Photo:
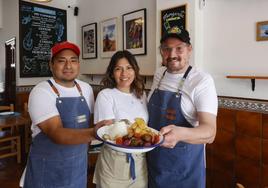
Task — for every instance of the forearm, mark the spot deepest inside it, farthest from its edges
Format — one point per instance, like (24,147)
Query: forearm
(199,135)
(69,136)
(57,133)
(204,133)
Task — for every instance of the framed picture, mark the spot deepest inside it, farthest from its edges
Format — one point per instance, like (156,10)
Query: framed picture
(173,19)
(262,31)
(134,32)
(109,43)
(89,41)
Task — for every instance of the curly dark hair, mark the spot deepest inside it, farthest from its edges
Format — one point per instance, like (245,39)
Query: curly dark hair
(137,86)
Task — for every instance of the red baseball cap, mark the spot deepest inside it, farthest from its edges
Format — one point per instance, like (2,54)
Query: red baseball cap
(64,45)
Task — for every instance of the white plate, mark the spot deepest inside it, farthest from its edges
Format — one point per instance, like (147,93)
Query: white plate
(6,113)
(126,149)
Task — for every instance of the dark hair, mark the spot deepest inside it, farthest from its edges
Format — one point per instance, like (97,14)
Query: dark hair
(137,86)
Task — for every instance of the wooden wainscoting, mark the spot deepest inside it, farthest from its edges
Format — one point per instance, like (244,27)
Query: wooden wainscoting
(239,153)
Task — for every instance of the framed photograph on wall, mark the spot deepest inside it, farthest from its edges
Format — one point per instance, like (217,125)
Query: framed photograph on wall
(108,39)
(262,31)
(173,19)
(89,41)
(134,32)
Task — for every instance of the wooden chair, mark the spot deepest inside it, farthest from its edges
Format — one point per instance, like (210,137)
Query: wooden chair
(28,132)
(10,140)
(7,108)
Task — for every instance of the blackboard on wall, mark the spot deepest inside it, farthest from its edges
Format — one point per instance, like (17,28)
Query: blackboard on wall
(173,19)
(40,27)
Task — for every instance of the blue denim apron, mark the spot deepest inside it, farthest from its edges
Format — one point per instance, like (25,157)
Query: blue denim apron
(53,165)
(182,166)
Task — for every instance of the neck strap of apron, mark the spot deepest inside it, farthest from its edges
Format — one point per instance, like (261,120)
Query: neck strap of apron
(57,92)
(184,78)
(181,81)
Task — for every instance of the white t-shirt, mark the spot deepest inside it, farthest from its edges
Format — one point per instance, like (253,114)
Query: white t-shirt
(198,92)
(42,101)
(114,104)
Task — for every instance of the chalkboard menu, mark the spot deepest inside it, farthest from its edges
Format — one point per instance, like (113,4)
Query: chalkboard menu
(173,19)
(40,28)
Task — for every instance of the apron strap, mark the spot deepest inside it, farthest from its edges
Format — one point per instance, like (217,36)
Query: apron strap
(130,160)
(158,85)
(78,87)
(184,78)
(181,81)
(54,88)
(57,92)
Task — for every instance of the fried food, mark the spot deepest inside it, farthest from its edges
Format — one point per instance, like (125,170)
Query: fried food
(139,134)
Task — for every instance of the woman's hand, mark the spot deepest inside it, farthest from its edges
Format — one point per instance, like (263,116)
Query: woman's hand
(101,124)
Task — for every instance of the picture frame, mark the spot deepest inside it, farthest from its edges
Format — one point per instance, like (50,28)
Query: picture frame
(262,31)
(173,18)
(89,41)
(134,32)
(108,37)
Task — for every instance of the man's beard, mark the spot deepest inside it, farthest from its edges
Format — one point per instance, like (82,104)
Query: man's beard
(172,59)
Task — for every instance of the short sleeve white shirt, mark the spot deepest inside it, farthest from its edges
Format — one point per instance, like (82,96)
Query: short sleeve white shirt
(198,92)
(42,101)
(114,104)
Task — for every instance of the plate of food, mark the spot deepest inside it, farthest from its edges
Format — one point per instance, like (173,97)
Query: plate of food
(126,137)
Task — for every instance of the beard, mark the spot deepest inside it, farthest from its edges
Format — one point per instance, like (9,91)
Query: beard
(170,59)
(176,65)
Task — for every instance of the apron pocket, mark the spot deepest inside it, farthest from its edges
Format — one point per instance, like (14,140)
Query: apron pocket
(58,172)
(115,164)
(168,160)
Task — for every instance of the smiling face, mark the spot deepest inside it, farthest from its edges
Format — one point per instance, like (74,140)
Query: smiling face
(124,75)
(65,67)
(176,55)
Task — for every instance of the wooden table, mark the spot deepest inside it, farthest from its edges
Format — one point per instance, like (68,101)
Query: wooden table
(20,124)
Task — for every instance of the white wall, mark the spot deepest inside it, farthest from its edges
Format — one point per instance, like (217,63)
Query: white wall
(230,47)
(222,33)
(1,13)
(10,29)
(97,11)
(223,36)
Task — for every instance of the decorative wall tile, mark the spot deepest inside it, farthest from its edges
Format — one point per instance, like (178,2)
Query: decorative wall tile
(243,104)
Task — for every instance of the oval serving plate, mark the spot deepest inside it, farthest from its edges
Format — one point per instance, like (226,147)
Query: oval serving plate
(126,149)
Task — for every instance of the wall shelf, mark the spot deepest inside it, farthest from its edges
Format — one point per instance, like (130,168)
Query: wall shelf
(252,78)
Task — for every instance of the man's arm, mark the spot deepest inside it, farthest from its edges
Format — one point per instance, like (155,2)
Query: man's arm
(53,128)
(202,134)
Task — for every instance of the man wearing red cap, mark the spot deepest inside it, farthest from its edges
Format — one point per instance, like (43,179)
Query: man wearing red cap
(60,111)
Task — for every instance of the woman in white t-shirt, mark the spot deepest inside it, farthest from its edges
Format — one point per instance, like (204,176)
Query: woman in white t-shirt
(122,98)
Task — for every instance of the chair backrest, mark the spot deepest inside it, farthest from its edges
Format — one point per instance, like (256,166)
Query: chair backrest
(7,108)
(25,112)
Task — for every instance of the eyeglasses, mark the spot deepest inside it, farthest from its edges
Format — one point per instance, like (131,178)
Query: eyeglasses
(63,60)
(178,49)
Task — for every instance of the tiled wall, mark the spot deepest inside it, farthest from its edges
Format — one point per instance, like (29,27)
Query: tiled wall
(251,105)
